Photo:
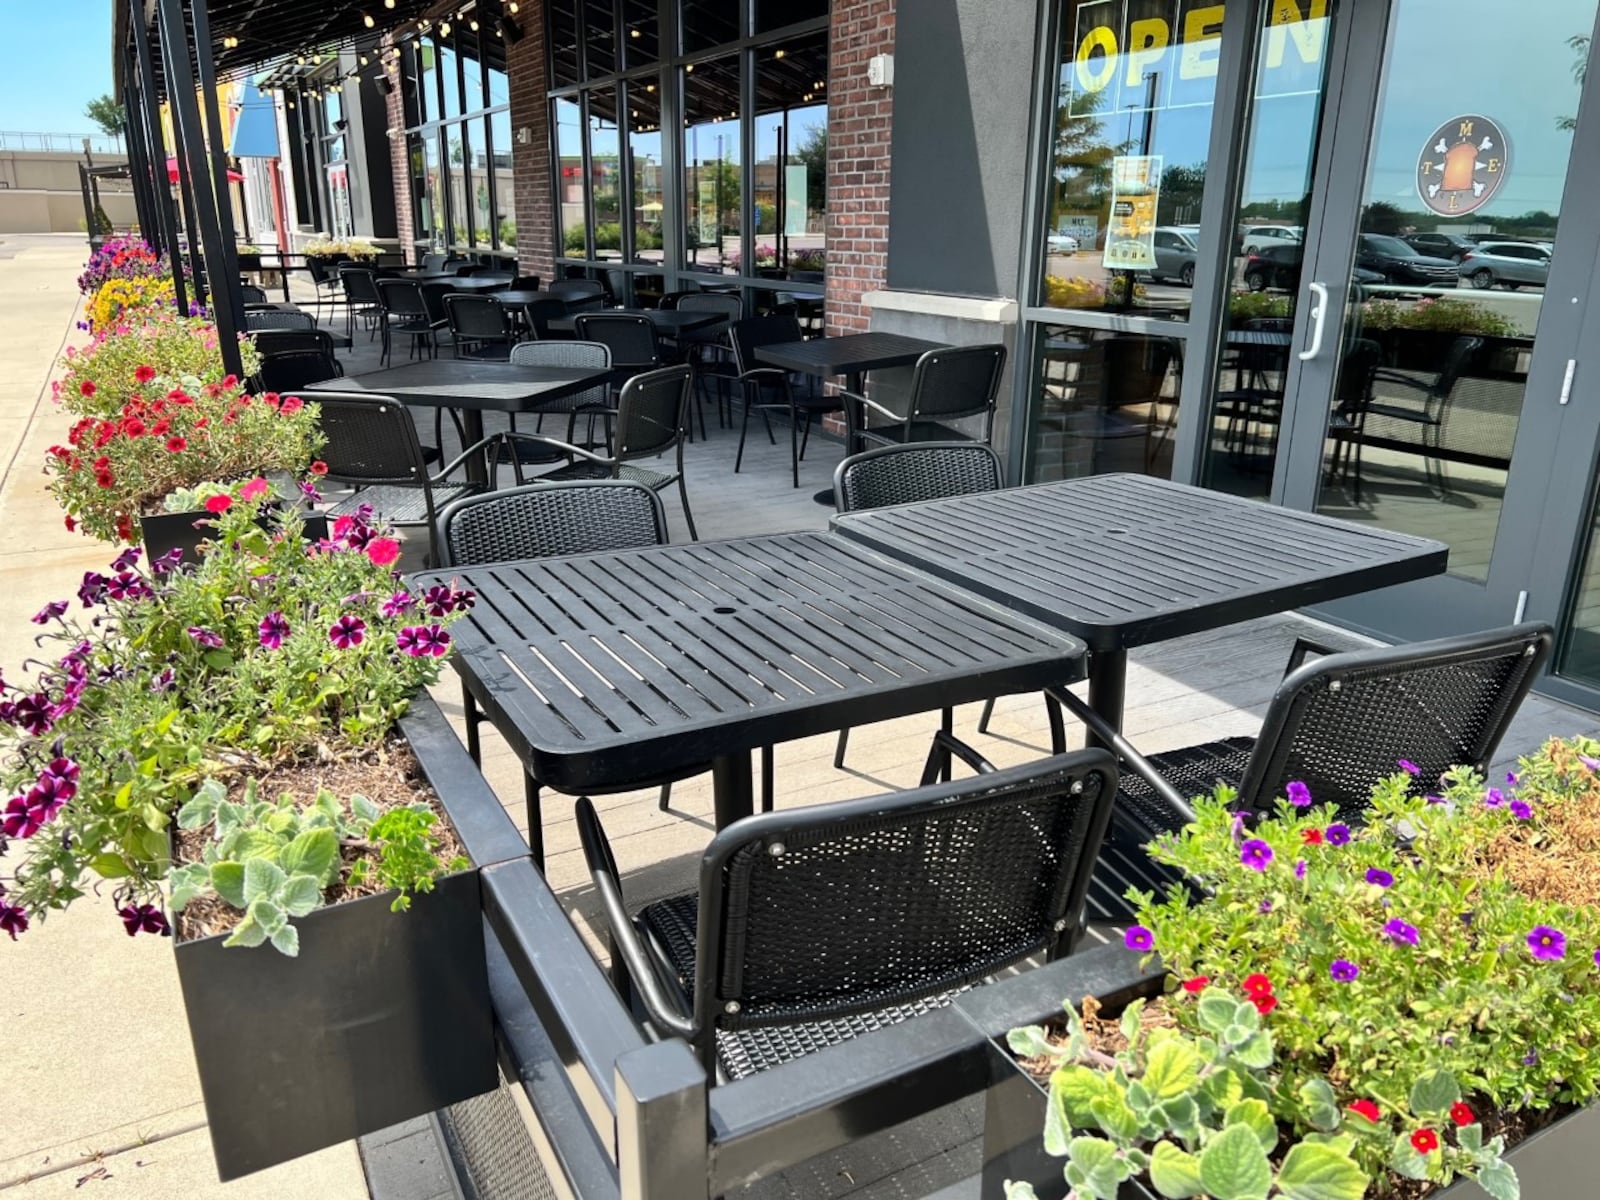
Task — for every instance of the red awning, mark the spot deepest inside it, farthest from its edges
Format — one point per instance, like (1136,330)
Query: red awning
(172,173)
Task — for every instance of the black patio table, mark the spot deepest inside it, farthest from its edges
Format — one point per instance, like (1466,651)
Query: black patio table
(1125,560)
(472,388)
(669,322)
(607,671)
(467,283)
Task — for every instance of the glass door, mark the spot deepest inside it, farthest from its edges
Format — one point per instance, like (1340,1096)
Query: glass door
(1433,305)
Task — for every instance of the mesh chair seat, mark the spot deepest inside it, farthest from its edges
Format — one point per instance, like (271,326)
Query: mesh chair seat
(654,480)
(671,925)
(399,504)
(914,431)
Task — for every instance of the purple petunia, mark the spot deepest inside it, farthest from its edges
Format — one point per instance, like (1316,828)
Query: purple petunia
(49,612)
(1409,767)
(1300,868)
(1139,938)
(1264,907)
(347,631)
(1378,877)
(1531,1058)
(13,919)
(127,560)
(93,588)
(32,714)
(20,819)
(143,918)
(1400,933)
(1521,810)
(274,628)
(1255,854)
(1592,763)
(422,641)
(1493,798)
(398,603)
(47,797)
(168,562)
(164,681)
(126,585)
(205,638)
(1547,943)
(1338,835)
(1343,970)
(1511,778)
(1299,794)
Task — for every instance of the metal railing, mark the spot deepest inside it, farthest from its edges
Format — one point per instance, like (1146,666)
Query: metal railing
(98,143)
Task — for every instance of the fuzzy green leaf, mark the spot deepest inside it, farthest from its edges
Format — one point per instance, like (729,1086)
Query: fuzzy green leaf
(1075,1088)
(1112,1114)
(1057,1124)
(1130,1022)
(1215,1010)
(286,941)
(268,915)
(1171,1068)
(228,880)
(1404,1159)
(262,878)
(365,810)
(315,853)
(1312,1172)
(1182,1116)
(1222,1089)
(300,894)
(1342,1143)
(1321,1107)
(1029,1042)
(1500,1181)
(201,809)
(1175,1174)
(247,843)
(1470,1138)
(247,933)
(1256,1052)
(1233,1166)
(1253,1115)
(1434,1092)
(188,882)
(1100,1172)
(1020,1190)
(109,866)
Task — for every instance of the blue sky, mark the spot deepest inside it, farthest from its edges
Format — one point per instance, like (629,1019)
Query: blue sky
(65,64)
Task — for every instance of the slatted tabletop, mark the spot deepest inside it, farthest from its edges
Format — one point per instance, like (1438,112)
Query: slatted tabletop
(1122,560)
(605,670)
(668,322)
(848,354)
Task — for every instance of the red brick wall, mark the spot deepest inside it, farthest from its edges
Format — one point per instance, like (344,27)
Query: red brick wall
(530,160)
(399,167)
(858,160)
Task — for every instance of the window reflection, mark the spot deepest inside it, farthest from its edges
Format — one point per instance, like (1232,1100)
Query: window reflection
(713,181)
(605,173)
(569,151)
(503,185)
(791,152)
(644,159)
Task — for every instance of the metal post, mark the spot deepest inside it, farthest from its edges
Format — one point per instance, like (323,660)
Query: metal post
(175,53)
(158,155)
(88,208)
(137,168)
(180,94)
(661,1124)
(224,276)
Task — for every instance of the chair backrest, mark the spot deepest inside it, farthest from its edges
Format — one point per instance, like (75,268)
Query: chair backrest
(370,440)
(478,318)
(915,472)
(546,519)
(730,306)
(295,368)
(402,297)
(615,282)
(458,266)
(1353,392)
(542,312)
(577,289)
(277,318)
(1341,723)
(360,284)
(812,913)
(956,381)
(432,264)
(284,341)
(651,413)
(588,355)
(251,294)
(750,334)
(1460,356)
(632,338)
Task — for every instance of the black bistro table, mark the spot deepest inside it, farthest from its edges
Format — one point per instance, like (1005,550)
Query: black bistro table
(472,388)
(608,671)
(668,322)
(467,283)
(1125,560)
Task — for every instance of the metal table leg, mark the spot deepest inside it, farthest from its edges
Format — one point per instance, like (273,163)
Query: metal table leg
(1108,679)
(731,785)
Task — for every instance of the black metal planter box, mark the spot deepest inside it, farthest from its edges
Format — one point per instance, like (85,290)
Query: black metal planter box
(382,1017)
(1556,1162)
(178,531)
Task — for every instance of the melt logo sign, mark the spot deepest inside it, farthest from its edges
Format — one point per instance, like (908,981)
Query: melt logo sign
(1461,165)
(1143,54)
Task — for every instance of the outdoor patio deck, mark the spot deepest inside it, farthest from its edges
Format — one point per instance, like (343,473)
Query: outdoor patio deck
(1179,692)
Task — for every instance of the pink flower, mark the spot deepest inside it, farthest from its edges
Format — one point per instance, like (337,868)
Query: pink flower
(255,489)
(21,819)
(383,551)
(422,641)
(273,629)
(219,504)
(348,631)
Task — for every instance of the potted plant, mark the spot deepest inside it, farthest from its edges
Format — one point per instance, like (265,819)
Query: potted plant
(1429,986)
(188,515)
(1418,336)
(288,664)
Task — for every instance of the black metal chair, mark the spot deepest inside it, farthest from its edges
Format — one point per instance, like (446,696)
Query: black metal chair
(433,264)
(950,384)
(284,341)
(595,401)
(1428,414)
(758,383)
(540,313)
(361,292)
(707,348)
(278,318)
(291,369)
(372,447)
(814,925)
(578,290)
(650,419)
(525,283)
(480,326)
(1256,397)
(252,294)
(406,312)
(630,338)
(1338,725)
(1352,397)
(324,272)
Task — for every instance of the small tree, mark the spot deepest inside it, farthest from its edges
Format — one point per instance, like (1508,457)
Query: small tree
(109,115)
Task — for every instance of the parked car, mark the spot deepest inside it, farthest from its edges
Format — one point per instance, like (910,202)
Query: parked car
(1402,264)
(1515,264)
(1175,254)
(1258,237)
(1279,267)
(1061,243)
(1440,245)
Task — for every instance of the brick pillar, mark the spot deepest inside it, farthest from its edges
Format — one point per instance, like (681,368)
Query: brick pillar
(858,160)
(530,159)
(399,164)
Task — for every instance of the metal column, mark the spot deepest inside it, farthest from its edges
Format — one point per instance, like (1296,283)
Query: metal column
(139,166)
(158,154)
(224,274)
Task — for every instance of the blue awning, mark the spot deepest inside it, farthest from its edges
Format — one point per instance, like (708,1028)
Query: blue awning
(255,129)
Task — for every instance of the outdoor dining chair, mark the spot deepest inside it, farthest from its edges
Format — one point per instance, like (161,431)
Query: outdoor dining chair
(952,383)
(284,341)
(1352,398)
(766,389)
(540,313)
(372,447)
(252,294)
(361,293)
(277,318)
(707,349)
(291,369)
(1338,725)
(595,401)
(1427,405)
(480,327)
(814,925)
(406,312)
(651,414)
(325,279)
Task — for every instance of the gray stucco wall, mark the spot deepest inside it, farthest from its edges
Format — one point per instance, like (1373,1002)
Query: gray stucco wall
(963,93)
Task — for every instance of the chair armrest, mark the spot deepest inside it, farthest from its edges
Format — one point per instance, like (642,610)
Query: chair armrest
(945,745)
(1125,751)
(1302,648)
(1384,375)
(763,372)
(624,938)
(872,404)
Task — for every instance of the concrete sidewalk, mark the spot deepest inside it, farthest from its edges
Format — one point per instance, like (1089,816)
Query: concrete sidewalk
(96,1064)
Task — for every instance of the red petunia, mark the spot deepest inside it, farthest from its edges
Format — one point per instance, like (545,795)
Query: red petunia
(125,527)
(1258,985)
(292,405)
(144,373)
(1197,984)
(177,444)
(1461,1114)
(1264,1004)
(87,387)
(1367,1109)
(383,551)
(1311,837)
(133,427)
(1425,1141)
(104,478)
(71,524)
(319,467)
(219,504)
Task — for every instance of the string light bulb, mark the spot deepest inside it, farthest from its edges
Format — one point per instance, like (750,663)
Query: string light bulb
(388,3)
(364,60)
(633,33)
(444,29)
(474,24)
(367,20)
(779,53)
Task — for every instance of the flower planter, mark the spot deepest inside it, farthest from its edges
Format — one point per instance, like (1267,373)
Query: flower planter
(382,1017)
(178,531)
(1553,1162)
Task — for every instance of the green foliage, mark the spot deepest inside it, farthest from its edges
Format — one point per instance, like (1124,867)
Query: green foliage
(1194,1110)
(1441,314)
(1247,306)
(108,114)
(408,854)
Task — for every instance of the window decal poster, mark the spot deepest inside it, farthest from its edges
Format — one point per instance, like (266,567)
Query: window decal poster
(1135,188)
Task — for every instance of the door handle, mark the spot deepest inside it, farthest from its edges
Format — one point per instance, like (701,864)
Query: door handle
(1319,312)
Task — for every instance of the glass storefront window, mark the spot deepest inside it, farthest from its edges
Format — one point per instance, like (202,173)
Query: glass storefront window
(563,42)
(471,73)
(605,172)
(570,198)
(599,38)
(644,164)
(433,220)
(775,14)
(1134,93)
(791,150)
(713,180)
(641,40)
(502,184)
(420,82)
(707,23)
(449,76)
(457,149)
(499,82)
